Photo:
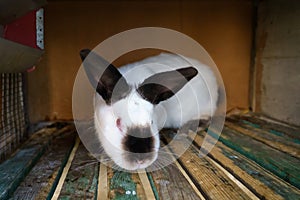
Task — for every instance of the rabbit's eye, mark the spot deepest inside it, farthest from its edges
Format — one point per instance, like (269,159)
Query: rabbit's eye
(118,123)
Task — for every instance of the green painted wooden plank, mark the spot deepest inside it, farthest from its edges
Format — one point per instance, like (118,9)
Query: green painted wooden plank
(279,163)
(276,128)
(128,186)
(122,186)
(171,184)
(40,180)
(81,180)
(279,187)
(210,180)
(284,133)
(262,181)
(13,170)
(154,189)
(280,143)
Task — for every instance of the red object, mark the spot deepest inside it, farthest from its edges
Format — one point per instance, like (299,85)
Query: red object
(23,30)
(31,69)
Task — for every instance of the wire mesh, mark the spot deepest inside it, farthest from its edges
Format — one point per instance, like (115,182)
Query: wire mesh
(13,123)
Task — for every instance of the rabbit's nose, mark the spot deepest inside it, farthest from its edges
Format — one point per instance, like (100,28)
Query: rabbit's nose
(140,162)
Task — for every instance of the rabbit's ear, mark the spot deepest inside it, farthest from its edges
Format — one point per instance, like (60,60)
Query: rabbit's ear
(164,85)
(104,77)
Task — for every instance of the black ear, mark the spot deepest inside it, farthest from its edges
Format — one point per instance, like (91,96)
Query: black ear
(104,77)
(162,86)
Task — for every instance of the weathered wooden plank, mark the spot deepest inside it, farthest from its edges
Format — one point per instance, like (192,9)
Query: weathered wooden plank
(133,179)
(250,123)
(171,184)
(172,181)
(271,120)
(250,194)
(143,190)
(154,189)
(57,188)
(122,186)
(82,177)
(279,163)
(128,186)
(279,143)
(17,57)
(41,178)
(274,127)
(13,170)
(102,192)
(256,178)
(212,181)
(143,178)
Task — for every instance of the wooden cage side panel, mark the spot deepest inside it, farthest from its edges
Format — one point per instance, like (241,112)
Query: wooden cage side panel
(223,28)
(278,60)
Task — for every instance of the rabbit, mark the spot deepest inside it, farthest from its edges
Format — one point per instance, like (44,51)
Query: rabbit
(134,102)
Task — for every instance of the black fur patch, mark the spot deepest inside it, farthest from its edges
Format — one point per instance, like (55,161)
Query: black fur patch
(162,86)
(112,86)
(139,144)
(139,140)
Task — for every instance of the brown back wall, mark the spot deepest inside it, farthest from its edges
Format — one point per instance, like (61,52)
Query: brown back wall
(222,27)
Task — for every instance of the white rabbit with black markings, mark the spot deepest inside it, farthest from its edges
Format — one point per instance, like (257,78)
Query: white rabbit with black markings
(135,101)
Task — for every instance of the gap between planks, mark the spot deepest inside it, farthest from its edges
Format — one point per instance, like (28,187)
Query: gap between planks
(268,139)
(103,184)
(186,176)
(65,170)
(227,173)
(103,187)
(235,180)
(146,185)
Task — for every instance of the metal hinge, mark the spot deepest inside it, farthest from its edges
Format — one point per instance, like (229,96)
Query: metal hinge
(40,28)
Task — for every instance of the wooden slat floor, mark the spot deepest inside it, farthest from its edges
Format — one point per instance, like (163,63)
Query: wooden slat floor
(254,158)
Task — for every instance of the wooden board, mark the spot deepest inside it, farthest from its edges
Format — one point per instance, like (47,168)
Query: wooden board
(102,192)
(287,133)
(114,184)
(39,182)
(273,126)
(144,182)
(171,184)
(206,176)
(14,170)
(78,24)
(228,172)
(279,163)
(142,185)
(124,185)
(280,143)
(256,178)
(82,177)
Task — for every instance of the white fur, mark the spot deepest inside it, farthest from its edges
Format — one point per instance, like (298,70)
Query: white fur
(133,111)
(196,100)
